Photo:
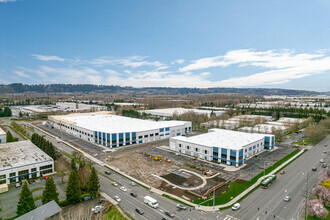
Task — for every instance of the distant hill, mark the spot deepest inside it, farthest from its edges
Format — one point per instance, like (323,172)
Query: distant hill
(87,88)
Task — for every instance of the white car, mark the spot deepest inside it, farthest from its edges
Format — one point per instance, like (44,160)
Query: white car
(123,189)
(117,198)
(115,184)
(287,198)
(132,183)
(236,206)
(321,161)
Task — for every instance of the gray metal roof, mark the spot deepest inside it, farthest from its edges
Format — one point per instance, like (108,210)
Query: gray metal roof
(45,211)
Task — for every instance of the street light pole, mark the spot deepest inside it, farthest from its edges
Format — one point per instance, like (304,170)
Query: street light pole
(213,197)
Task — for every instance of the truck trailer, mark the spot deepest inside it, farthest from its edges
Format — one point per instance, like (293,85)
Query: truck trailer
(269,180)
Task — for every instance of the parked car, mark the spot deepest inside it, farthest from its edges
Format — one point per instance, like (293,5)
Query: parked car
(236,206)
(133,194)
(314,169)
(17,185)
(107,172)
(139,210)
(101,200)
(117,198)
(324,165)
(325,145)
(115,184)
(170,214)
(132,183)
(321,161)
(287,198)
(123,189)
(164,218)
(181,206)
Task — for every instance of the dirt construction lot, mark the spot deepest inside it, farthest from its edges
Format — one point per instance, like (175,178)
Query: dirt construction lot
(141,166)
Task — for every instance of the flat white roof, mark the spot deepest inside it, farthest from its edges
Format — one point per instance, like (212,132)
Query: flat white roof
(20,153)
(2,131)
(105,122)
(179,111)
(222,138)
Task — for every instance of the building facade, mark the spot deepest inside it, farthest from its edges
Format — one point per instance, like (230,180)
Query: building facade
(23,160)
(3,136)
(223,146)
(117,131)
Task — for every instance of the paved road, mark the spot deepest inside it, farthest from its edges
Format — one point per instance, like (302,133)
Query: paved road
(292,183)
(130,203)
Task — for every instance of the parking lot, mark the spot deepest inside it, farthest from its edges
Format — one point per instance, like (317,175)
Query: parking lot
(9,199)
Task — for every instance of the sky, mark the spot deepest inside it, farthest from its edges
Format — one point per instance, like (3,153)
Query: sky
(167,43)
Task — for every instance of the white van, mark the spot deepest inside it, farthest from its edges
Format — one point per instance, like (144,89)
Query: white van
(151,202)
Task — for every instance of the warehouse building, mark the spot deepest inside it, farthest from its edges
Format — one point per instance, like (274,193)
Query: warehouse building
(3,136)
(23,160)
(223,146)
(117,131)
(169,112)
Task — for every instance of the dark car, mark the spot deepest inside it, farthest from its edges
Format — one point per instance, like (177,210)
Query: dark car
(139,210)
(107,172)
(168,213)
(164,218)
(181,206)
(324,165)
(133,194)
(314,169)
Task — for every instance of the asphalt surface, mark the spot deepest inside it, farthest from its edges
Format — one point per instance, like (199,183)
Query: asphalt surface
(129,203)
(267,203)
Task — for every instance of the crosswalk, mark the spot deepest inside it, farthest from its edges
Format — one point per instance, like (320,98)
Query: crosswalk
(227,217)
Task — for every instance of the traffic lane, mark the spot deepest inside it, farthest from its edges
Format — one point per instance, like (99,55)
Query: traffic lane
(292,173)
(130,203)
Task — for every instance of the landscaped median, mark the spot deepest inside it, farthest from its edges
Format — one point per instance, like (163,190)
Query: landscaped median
(236,188)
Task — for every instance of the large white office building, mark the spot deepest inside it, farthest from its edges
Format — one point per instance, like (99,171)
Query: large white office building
(223,146)
(117,131)
(23,160)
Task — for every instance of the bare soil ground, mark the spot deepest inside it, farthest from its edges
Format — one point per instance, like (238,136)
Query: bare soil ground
(215,181)
(141,166)
(192,181)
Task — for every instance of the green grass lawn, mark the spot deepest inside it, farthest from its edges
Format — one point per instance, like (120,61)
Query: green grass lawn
(237,188)
(113,214)
(307,141)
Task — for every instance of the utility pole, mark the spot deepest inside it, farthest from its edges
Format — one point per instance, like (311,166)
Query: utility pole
(213,197)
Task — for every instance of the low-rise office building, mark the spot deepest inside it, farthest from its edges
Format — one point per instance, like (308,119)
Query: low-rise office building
(117,131)
(23,160)
(223,146)
(3,136)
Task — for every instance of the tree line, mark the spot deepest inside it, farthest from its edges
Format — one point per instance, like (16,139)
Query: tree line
(74,190)
(6,112)
(44,145)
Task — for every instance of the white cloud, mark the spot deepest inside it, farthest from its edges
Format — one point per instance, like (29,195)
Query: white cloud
(179,61)
(21,74)
(5,1)
(47,58)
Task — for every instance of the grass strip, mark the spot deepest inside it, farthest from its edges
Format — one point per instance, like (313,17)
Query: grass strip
(36,189)
(37,198)
(177,200)
(237,188)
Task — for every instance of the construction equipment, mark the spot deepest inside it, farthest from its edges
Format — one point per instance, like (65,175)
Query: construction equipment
(159,157)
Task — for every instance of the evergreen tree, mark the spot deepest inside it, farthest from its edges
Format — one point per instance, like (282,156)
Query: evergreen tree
(50,192)
(93,183)
(9,137)
(26,202)
(73,192)
(73,165)
(20,114)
